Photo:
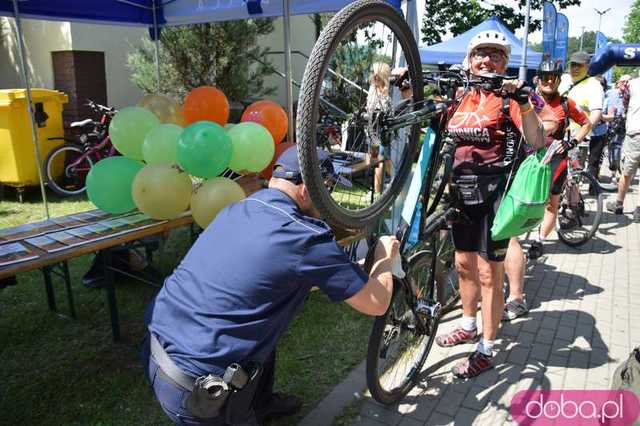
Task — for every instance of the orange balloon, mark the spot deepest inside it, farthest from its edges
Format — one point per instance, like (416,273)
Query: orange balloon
(270,115)
(280,148)
(206,103)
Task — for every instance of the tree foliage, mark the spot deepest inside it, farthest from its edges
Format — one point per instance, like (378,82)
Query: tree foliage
(223,54)
(457,16)
(632,24)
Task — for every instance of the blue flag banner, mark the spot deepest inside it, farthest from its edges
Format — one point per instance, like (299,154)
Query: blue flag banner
(601,46)
(548,29)
(562,39)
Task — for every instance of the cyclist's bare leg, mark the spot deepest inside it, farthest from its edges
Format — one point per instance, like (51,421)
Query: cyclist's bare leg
(491,278)
(623,187)
(514,265)
(550,216)
(469,281)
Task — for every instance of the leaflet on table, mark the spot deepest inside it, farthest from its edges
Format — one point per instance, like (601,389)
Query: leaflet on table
(91,216)
(56,241)
(124,224)
(15,252)
(27,230)
(46,243)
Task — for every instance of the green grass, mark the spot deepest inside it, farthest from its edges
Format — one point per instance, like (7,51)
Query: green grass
(59,371)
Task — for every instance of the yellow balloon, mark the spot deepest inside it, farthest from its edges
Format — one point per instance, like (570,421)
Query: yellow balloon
(165,108)
(161,191)
(211,197)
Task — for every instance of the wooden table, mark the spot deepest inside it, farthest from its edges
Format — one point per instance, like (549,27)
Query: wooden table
(48,261)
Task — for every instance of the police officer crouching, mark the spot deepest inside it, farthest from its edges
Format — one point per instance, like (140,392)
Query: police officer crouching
(214,325)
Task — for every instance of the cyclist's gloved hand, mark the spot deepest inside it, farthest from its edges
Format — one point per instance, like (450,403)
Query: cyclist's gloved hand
(400,78)
(567,145)
(515,90)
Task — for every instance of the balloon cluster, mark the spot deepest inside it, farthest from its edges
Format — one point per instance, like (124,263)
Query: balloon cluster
(164,145)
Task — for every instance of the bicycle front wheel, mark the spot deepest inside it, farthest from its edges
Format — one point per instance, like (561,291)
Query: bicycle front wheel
(579,219)
(347,79)
(66,169)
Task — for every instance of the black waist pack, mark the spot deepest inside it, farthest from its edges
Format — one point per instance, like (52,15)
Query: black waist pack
(475,190)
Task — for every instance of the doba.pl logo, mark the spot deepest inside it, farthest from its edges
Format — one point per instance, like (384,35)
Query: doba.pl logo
(602,407)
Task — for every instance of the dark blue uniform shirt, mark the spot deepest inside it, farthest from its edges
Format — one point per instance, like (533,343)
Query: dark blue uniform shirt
(242,282)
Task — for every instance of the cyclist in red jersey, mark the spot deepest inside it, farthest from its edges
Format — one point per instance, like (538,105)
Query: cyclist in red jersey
(483,125)
(549,80)
(565,110)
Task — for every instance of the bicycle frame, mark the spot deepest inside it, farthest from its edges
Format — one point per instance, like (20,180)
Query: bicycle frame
(95,153)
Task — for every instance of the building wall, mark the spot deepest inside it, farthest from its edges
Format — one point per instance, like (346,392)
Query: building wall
(40,37)
(115,42)
(302,38)
(43,37)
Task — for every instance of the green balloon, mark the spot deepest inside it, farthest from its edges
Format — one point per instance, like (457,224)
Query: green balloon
(253,147)
(161,144)
(109,184)
(204,149)
(129,128)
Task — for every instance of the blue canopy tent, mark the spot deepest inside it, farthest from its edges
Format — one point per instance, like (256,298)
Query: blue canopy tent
(154,14)
(454,50)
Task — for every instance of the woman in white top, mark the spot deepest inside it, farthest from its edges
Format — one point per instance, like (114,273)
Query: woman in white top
(378,99)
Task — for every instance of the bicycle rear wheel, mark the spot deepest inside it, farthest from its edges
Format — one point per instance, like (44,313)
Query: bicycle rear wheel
(579,221)
(66,171)
(338,82)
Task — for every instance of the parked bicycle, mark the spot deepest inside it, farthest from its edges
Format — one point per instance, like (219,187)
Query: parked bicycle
(581,200)
(66,167)
(372,30)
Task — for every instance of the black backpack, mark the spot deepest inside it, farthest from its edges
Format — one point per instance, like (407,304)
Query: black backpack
(627,375)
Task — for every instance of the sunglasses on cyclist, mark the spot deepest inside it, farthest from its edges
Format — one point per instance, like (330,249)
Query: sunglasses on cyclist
(548,76)
(493,55)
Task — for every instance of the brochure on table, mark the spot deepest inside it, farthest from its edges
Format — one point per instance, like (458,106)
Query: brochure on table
(66,232)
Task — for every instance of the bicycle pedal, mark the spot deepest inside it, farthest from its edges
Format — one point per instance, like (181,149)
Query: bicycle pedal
(427,310)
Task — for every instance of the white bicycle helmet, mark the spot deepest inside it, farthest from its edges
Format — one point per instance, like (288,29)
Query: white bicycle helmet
(490,38)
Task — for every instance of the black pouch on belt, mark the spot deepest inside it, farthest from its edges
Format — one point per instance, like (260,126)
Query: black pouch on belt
(475,190)
(239,404)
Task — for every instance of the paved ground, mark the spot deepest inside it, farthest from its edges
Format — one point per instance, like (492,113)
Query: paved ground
(578,331)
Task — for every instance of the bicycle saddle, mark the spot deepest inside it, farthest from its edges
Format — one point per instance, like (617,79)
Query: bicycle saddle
(81,123)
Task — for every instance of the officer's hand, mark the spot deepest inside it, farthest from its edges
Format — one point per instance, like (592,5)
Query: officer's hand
(387,247)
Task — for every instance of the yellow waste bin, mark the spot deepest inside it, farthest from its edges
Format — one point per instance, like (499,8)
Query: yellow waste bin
(17,155)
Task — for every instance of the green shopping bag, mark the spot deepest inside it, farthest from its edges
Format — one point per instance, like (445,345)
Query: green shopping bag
(522,208)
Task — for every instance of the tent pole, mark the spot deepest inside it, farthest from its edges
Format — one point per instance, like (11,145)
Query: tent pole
(27,84)
(157,46)
(522,75)
(287,68)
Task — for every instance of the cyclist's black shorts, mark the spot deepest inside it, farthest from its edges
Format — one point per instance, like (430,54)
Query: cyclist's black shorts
(558,173)
(476,235)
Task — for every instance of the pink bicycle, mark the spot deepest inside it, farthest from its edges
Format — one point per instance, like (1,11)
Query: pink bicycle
(66,166)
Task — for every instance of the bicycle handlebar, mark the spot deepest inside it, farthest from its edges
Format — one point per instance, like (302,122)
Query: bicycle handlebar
(100,108)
